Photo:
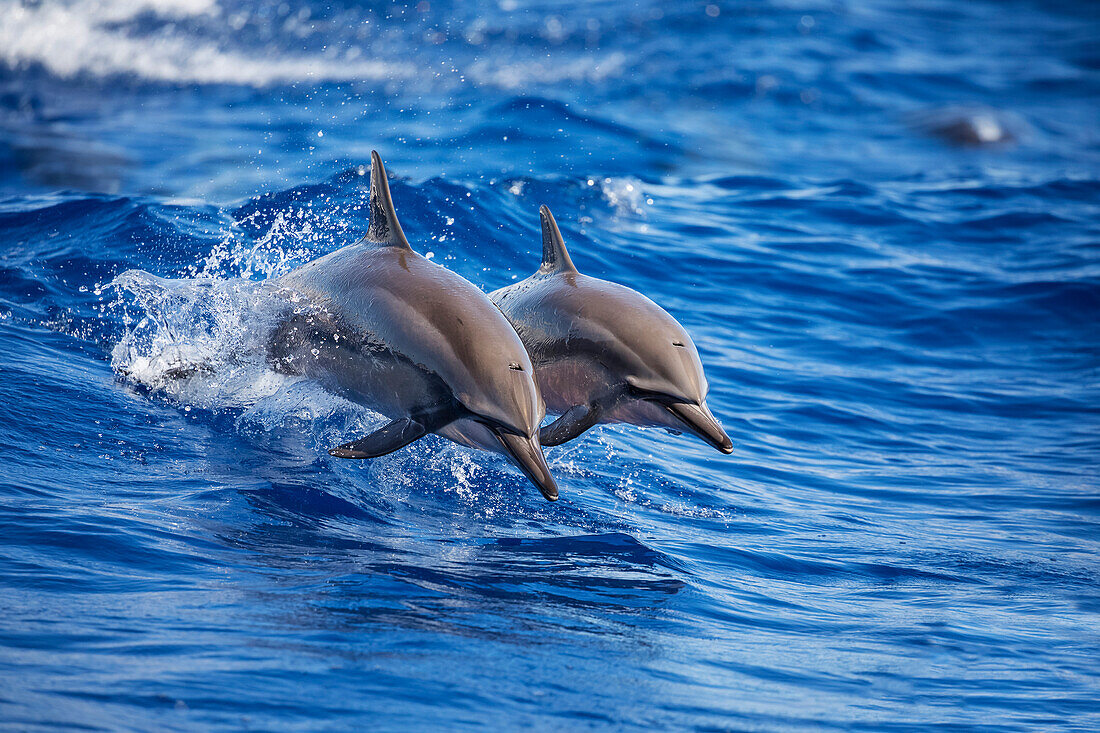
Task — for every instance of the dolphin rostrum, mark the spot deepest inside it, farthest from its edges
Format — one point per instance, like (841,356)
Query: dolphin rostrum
(604,352)
(389,329)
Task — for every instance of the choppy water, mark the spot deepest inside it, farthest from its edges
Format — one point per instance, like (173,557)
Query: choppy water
(900,333)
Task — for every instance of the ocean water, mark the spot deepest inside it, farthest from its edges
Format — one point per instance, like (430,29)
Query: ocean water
(879,220)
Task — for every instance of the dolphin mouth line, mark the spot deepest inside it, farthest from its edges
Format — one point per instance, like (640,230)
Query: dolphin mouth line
(698,420)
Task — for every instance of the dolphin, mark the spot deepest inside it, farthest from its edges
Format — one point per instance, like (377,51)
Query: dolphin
(605,353)
(391,330)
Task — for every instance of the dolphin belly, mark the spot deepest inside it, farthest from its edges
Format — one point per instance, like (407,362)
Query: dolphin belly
(642,413)
(573,380)
(471,434)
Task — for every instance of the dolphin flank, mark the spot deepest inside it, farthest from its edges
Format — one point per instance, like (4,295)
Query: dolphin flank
(389,329)
(605,353)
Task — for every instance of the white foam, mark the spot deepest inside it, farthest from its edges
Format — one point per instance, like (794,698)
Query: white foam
(104,38)
(90,37)
(199,341)
(509,75)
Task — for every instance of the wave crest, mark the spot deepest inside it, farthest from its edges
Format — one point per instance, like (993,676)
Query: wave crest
(95,38)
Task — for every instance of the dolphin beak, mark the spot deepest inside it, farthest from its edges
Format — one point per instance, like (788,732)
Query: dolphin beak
(697,419)
(527,454)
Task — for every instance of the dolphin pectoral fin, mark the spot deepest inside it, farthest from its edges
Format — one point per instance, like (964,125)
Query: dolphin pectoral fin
(575,421)
(698,420)
(386,439)
(526,453)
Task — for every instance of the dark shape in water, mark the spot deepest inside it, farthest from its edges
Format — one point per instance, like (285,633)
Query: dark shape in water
(965,126)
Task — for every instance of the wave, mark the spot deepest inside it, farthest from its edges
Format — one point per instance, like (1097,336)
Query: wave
(207,42)
(96,38)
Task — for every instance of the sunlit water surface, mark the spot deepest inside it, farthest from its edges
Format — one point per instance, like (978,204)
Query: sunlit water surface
(880,222)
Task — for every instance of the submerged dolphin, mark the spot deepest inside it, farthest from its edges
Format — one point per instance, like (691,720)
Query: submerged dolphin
(392,330)
(604,352)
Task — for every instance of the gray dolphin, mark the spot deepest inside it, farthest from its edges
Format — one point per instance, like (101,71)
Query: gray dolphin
(389,329)
(604,352)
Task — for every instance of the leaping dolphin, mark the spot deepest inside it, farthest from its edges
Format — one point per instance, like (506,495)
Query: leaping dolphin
(389,329)
(604,352)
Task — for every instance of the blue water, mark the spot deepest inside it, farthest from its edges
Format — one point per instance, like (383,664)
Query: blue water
(899,328)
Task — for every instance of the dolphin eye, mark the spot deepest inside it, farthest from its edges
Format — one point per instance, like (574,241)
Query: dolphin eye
(678,343)
(515,367)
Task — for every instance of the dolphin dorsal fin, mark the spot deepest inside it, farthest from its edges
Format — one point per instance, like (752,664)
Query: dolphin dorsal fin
(384,228)
(555,257)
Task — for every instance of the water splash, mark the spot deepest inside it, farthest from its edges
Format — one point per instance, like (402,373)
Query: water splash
(201,341)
